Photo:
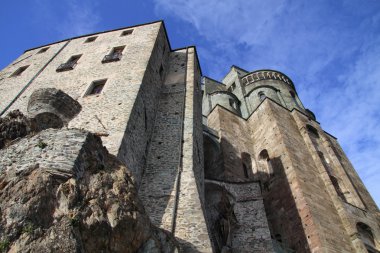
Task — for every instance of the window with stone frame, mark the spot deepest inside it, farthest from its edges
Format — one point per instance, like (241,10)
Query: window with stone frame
(70,64)
(43,50)
(19,71)
(126,32)
(115,54)
(90,39)
(96,87)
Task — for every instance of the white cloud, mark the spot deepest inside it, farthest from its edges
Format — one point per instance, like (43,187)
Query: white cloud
(68,18)
(329,48)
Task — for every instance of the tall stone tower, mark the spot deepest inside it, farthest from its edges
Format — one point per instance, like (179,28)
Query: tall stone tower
(259,131)
(233,166)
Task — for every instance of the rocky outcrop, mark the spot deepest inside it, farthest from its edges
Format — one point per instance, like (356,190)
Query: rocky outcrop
(13,126)
(61,191)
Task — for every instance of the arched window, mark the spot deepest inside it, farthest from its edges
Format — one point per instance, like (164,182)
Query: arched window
(246,163)
(265,161)
(294,98)
(366,236)
(261,95)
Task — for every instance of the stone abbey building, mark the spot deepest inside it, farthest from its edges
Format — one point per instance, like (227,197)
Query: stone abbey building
(237,165)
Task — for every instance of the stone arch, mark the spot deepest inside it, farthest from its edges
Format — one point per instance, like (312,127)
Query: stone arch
(52,108)
(213,168)
(366,235)
(265,162)
(220,215)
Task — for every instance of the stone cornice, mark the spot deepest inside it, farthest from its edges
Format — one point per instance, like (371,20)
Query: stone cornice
(266,74)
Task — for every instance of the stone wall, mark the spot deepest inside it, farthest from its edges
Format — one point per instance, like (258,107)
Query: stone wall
(107,113)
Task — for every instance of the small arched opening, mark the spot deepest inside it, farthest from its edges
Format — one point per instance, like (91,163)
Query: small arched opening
(265,162)
(366,235)
(213,168)
(261,95)
(246,164)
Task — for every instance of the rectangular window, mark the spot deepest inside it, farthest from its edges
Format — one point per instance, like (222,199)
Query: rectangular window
(114,55)
(70,64)
(127,32)
(96,87)
(19,71)
(43,50)
(90,39)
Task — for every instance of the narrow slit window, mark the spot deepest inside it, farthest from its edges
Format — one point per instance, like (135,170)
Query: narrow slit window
(19,71)
(90,39)
(161,71)
(232,103)
(43,50)
(96,87)
(127,32)
(261,95)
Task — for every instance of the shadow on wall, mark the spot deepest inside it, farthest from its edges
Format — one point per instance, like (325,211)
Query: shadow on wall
(223,162)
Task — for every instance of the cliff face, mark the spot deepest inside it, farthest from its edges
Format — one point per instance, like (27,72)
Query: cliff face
(61,191)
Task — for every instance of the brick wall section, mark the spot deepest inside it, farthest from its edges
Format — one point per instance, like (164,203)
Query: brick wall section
(134,144)
(158,189)
(190,223)
(349,169)
(350,210)
(306,184)
(11,86)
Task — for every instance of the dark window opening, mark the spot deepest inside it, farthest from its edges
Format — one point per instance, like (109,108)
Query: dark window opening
(127,32)
(70,64)
(145,119)
(161,71)
(246,162)
(90,39)
(96,87)
(245,170)
(233,86)
(232,103)
(367,237)
(43,50)
(19,71)
(115,55)
(262,95)
(312,130)
(338,190)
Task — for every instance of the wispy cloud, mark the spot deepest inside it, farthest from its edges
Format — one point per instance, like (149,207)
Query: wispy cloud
(68,18)
(329,48)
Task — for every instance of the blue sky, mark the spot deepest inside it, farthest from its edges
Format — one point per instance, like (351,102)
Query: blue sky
(329,48)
